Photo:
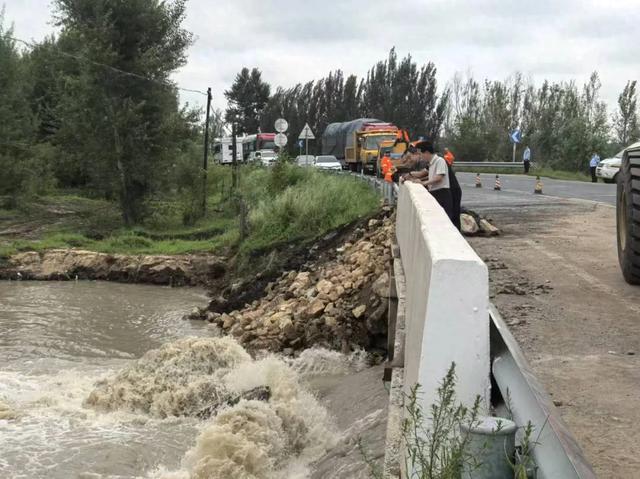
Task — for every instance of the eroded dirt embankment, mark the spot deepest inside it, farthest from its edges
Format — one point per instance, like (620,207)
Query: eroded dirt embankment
(69,264)
(337,301)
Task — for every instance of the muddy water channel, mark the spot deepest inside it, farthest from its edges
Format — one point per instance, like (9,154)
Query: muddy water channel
(106,381)
(56,340)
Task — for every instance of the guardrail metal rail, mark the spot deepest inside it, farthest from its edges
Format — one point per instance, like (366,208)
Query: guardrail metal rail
(388,191)
(512,165)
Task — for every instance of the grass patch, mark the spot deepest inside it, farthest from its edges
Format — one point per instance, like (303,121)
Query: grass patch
(314,204)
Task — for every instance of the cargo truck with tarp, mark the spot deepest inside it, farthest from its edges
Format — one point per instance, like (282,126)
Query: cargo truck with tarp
(357,143)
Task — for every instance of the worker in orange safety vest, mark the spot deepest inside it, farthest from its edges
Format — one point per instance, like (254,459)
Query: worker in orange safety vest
(387,167)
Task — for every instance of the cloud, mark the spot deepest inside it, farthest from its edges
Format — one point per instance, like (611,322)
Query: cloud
(293,41)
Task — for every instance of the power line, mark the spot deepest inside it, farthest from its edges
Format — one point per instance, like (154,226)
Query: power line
(112,68)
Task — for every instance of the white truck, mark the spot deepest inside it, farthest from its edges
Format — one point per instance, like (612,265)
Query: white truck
(223,150)
(628,214)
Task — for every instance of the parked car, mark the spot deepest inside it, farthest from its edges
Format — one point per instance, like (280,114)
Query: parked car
(305,160)
(266,157)
(328,162)
(609,168)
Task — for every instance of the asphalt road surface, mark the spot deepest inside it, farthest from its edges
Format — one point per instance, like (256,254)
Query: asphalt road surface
(518,190)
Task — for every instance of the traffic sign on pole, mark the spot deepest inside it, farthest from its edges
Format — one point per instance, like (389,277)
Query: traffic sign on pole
(280,140)
(306,133)
(516,137)
(281,125)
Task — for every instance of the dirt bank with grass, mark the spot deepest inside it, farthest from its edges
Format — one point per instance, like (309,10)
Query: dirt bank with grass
(64,264)
(283,212)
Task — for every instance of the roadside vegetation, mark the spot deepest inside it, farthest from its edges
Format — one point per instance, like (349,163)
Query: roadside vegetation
(437,442)
(281,204)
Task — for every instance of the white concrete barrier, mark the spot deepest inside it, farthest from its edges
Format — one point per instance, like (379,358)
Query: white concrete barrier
(447,297)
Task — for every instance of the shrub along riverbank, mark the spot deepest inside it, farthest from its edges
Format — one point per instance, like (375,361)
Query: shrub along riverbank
(272,206)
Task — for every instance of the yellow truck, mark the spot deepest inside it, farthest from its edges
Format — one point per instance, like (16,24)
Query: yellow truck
(356,144)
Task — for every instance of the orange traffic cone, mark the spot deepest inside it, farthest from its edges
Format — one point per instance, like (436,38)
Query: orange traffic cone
(538,188)
(478,181)
(498,186)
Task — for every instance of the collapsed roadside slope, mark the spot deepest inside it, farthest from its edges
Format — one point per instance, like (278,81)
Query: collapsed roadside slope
(336,301)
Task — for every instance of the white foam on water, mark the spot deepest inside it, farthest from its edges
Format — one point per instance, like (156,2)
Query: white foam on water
(180,378)
(48,433)
(274,439)
(151,407)
(320,362)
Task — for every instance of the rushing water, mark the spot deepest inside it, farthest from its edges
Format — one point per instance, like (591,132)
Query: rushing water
(103,380)
(56,341)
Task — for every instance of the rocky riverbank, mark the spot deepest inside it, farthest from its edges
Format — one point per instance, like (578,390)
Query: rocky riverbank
(70,264)
(337,303)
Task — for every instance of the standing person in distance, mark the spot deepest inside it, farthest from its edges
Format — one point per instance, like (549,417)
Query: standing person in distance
(593,164)
(526,158)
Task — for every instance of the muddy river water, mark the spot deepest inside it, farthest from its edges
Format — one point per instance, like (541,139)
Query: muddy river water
(56,340)
(106,381)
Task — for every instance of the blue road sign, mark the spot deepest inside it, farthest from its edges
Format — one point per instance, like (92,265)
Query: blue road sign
(300,144)
(516,136)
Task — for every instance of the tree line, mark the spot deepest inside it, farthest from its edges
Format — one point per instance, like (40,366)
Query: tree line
(94,109)
(394,90)
(563,123)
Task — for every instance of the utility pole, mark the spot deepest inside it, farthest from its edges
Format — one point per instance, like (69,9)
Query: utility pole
(206,154)
(234,156)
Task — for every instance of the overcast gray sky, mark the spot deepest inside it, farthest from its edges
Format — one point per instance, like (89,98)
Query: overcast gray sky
(296,41)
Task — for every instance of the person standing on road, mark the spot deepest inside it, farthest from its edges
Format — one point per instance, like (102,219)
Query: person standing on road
(436,180)
(593,164)
(526,158)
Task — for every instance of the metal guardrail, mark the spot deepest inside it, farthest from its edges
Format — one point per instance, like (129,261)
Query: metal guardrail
(490,164)
(389,191)
(556,452)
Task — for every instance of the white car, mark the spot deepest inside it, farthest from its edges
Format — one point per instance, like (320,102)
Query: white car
(266,157)
(328,162)
(305,160)
(608,169)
